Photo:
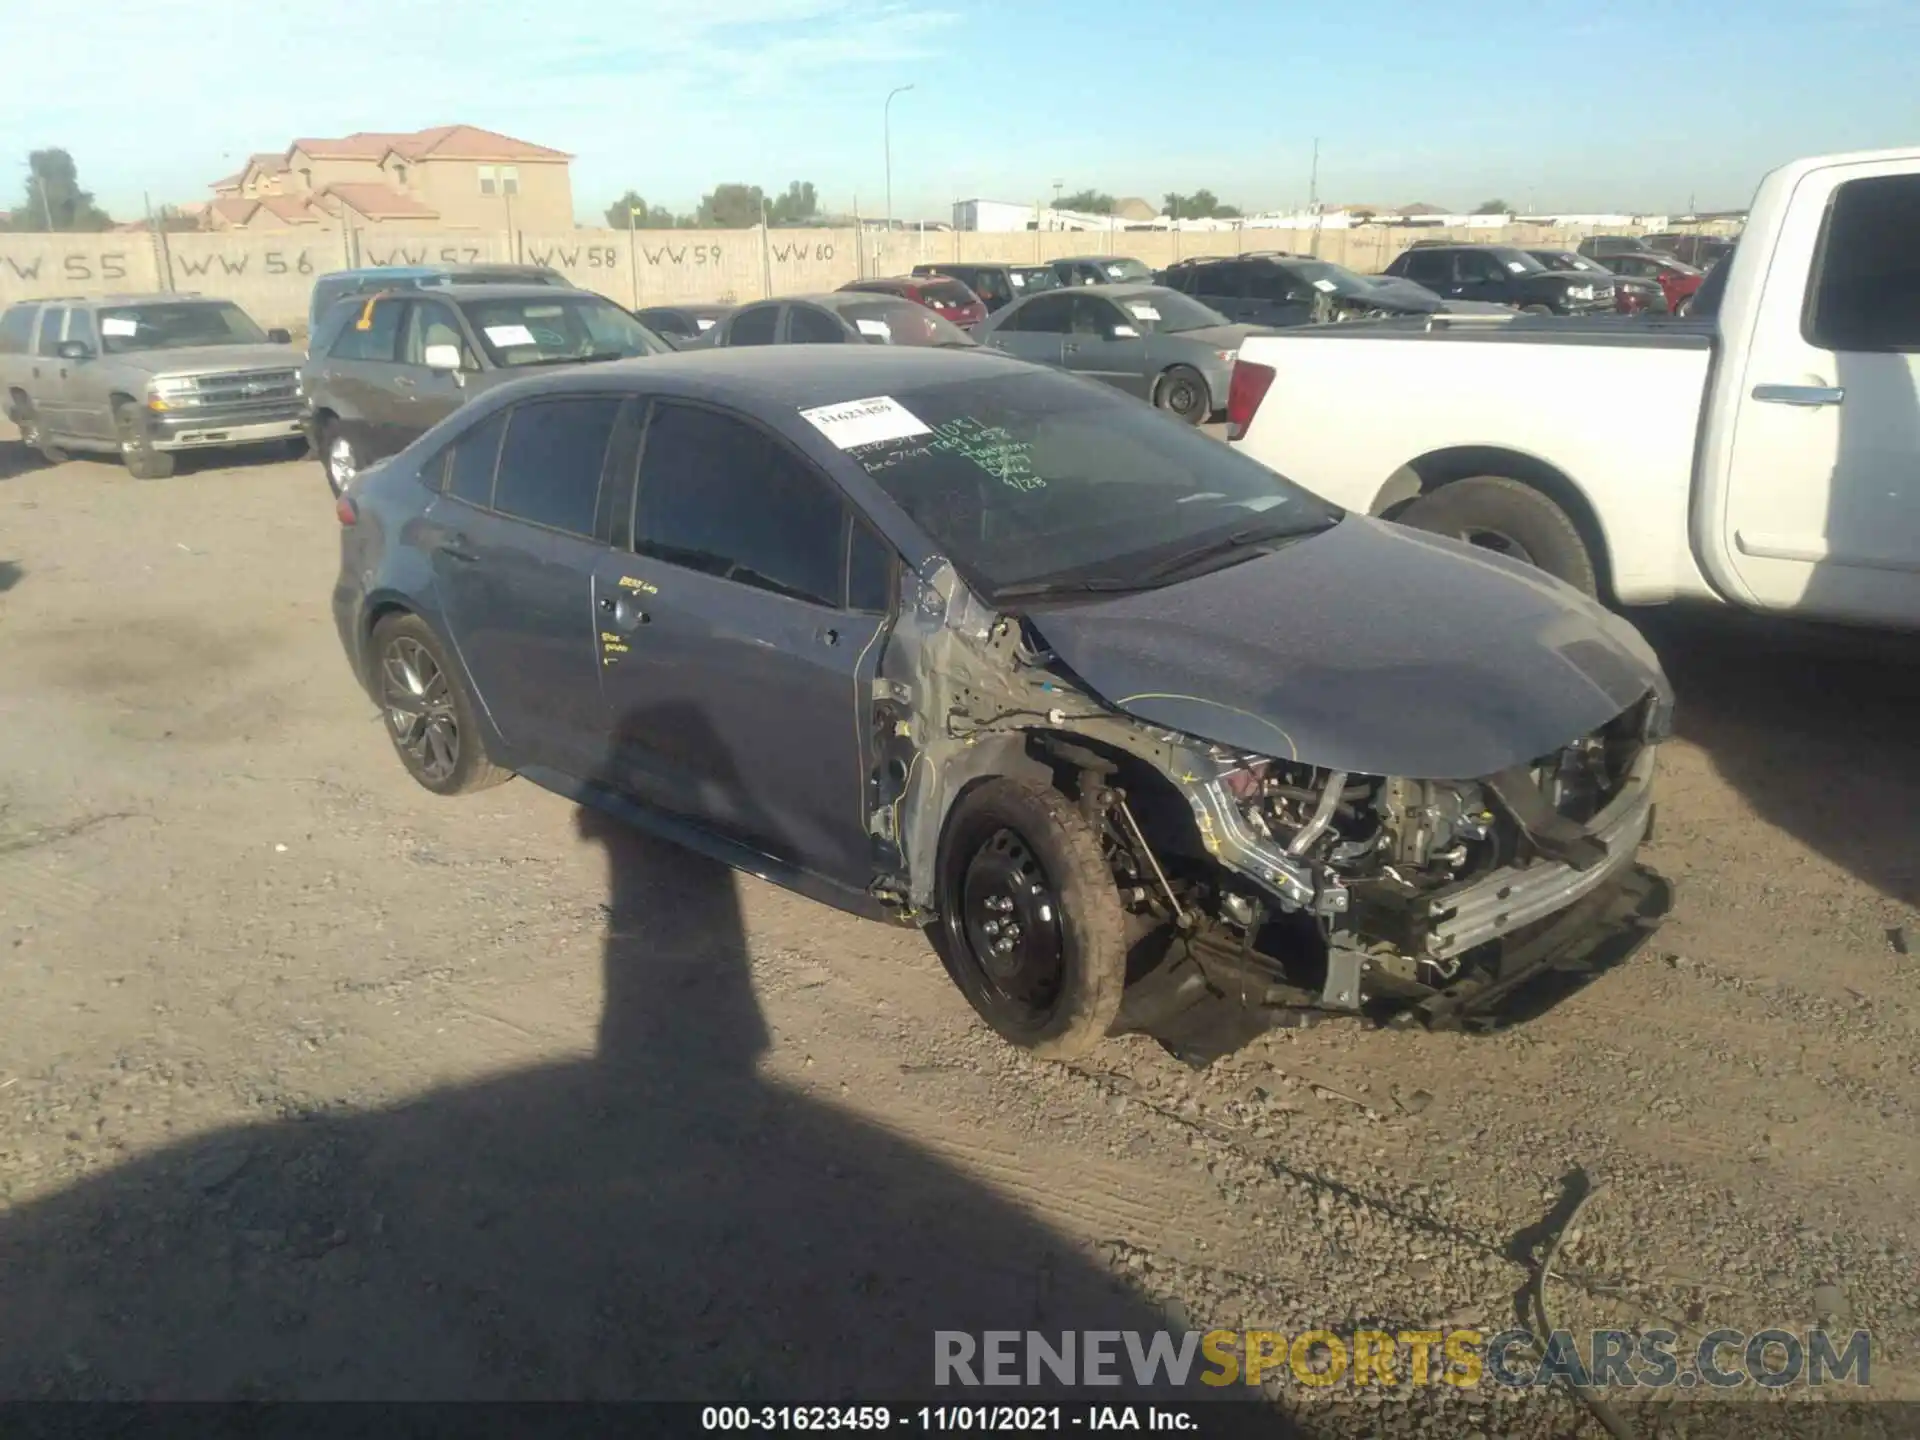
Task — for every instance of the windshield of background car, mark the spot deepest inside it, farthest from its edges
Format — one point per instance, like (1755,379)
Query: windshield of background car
(882,320)
(172,325)
(1567,260)
(549,331)
(1167,312)
(1326,277)
(1517,262)
(1029,278)
(1124,271)
(1038,478)
(948,292)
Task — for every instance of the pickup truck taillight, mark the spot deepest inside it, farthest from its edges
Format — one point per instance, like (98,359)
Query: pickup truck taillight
(1244,393)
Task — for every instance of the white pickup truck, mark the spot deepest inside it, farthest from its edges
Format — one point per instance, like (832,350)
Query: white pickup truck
(1764,452)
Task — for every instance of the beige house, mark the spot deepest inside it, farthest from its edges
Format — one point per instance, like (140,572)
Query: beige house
(452,177)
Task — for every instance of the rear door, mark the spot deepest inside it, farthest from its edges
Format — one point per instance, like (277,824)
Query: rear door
(735,672)
(356,380)
(46,384)
(1822,494)
(1106,342)
(515,541)
(1222,286)
(1037,329)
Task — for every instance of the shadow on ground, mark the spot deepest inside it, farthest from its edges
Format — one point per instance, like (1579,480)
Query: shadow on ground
(17,459)
(10,573)
(1818,730)
(659,1221)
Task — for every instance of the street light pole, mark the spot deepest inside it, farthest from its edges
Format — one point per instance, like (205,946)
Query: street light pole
(886,140)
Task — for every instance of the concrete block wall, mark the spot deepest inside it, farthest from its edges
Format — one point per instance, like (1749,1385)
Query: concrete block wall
(271,274)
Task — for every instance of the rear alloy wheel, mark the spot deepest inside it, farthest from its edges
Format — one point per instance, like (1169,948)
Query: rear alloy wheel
(143,462)
(429,717)
(1030,923)
(1182,393)
(337,457)
(1511,518)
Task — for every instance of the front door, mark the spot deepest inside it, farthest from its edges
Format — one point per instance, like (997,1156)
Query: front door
(1822,496)
(88,401)
(515,548)
(734,673)
(1106,343)
(428,395)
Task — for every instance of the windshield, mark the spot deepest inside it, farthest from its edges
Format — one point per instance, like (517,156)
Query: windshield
(1124,269)
(172,325)
(1326,277)
(1167,312)
(1567,260)
(1036,480)
(1517,261)
(1029,278)
(552,331)
(882,320)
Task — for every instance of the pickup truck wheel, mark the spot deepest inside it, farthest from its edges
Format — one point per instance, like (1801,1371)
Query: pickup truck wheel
(1496,513)
(1030,926)
(143,462)
(1183,394)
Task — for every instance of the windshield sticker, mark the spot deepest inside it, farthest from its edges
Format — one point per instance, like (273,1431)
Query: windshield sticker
(1144,312)
(1018,279)
(508,335)
(1125,332)
(114,325)
(1325,287)
(865,422)
(1516,267)
(878,328)
(704,324)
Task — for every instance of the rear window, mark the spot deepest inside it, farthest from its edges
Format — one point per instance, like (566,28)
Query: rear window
(948,292)
(883,320)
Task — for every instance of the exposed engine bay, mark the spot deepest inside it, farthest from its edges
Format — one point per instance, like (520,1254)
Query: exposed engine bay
(1276,883)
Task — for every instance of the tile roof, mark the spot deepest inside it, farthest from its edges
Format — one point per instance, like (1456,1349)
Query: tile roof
(293,209)
(234,209)
(379,202)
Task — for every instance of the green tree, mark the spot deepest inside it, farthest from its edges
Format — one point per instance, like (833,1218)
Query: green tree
(631,212)
(1200,205)
(731,206)
(1087,202)
(1493,207)
(798,205)
(54,198)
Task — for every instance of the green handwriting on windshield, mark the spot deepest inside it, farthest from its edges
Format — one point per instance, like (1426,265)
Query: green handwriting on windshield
(992,448)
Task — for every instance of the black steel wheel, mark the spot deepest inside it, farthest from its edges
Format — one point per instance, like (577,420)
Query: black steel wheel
(1509,518)
(1030,923)
(429,717)
(1183,394)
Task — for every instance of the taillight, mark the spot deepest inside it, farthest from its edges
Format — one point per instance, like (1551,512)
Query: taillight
(346,511)
(1244,393)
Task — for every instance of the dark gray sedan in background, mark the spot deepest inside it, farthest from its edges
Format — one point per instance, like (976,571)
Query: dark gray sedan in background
(1147,340)
(839,317)
(1125,720)
(383,368)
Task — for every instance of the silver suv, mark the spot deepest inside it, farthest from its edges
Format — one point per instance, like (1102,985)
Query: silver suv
(147,376)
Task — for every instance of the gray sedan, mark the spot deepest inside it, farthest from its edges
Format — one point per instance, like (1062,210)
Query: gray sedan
(1145,339)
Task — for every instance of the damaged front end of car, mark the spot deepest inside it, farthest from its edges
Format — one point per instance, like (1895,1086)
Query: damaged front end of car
(1263,881)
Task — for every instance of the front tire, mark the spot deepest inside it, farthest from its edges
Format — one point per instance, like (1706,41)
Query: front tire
(143,462)
(1516,520)
(430,718)
(1182,393)
(1030,926)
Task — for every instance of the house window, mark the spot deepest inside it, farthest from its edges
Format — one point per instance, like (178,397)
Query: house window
(400,176)
(489,181)
(306,178)
(499,179)
(510,179)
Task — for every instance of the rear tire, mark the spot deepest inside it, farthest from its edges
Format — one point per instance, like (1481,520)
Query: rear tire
(1536,310)
(1182,393)
(337,457)
(1509,517)
(31,435)
(430,718)
(1030,925)
(143,462)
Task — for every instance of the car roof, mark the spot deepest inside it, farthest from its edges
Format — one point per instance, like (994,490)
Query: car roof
(133,297)
(796,376)
(414,272)
(1089,259)
(499,290)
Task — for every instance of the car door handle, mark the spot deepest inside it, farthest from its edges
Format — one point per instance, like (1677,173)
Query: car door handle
(626,615)
(403,382)
(454,547)
(828,636)
(1810,395)
(1067,347)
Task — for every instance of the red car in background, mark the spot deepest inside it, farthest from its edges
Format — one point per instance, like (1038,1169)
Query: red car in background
(949,299)
(1675,277)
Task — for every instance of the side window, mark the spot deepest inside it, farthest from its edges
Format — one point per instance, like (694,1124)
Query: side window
(1271,282)
(869,571)
(1229,282)
(754,325)
(719,496)
(431,323)
(667,322)
(1094,317)
(1050,314)
(807,325)
(470,477)
(50,319)
(16,330)
(80,327)
(989,285)
(1470,266)
(550,464)
(1425,266)
(371,336)
(1865,290)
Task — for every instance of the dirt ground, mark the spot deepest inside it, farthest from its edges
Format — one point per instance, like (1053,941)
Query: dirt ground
(314,1085)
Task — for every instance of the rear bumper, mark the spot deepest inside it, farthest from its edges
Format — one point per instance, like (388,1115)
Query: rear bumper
(207,428)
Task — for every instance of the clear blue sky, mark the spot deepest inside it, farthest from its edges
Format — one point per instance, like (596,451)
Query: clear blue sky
(1629,105)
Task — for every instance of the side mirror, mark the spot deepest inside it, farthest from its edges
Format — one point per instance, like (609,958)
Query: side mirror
(74,350)
(279,336)
(442,357)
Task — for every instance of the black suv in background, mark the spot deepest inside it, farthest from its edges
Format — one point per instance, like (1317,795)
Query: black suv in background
(996,285)
(1284,289)
(1503,275)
